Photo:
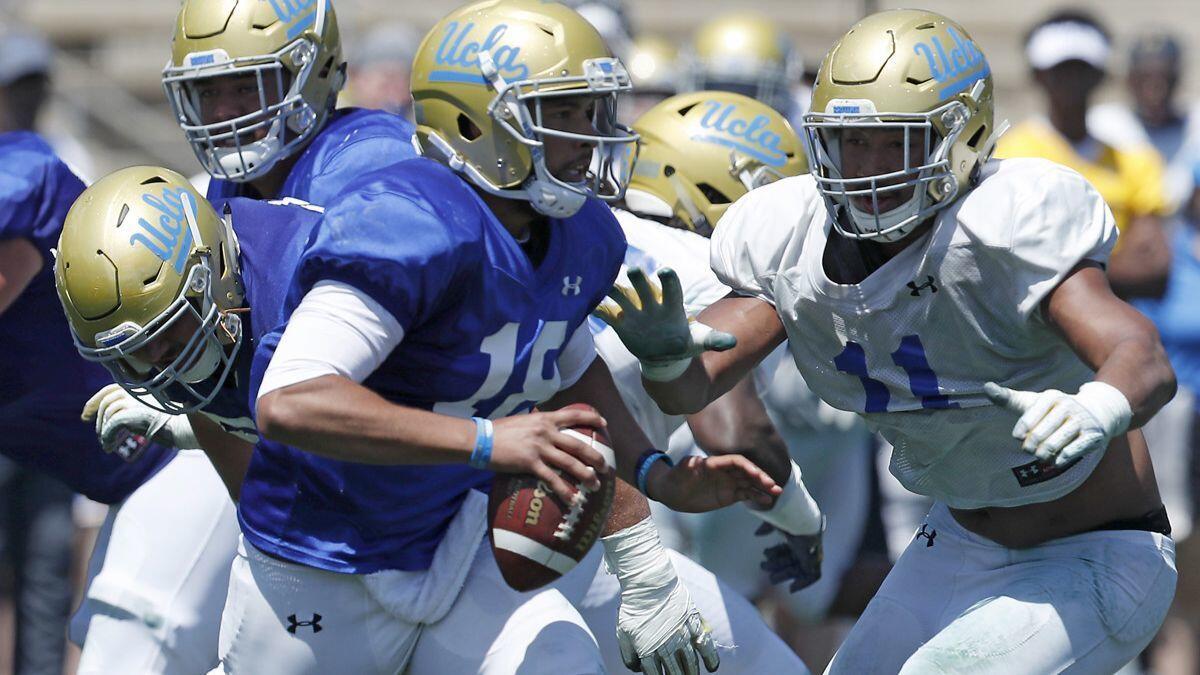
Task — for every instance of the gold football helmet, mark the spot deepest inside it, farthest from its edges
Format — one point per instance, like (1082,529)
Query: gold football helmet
(479,81)
(908,70)
(289,51)
(142,255)
(702,151)
(745,53)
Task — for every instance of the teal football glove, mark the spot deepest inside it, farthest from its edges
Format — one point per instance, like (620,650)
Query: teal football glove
(650,319)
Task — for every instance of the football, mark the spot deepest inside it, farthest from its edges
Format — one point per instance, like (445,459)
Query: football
(537,538)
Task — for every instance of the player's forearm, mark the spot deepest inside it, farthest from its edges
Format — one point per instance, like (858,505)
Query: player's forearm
(737,423)
(1138,367)
(334,417)
(230,455)
(629,508)
(758,330)
(685,395)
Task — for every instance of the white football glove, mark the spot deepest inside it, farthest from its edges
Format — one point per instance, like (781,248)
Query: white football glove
(1064,427)
(118,414)
(650,319)
(659,630)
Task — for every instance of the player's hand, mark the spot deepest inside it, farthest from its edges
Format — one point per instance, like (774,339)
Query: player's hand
(659,629)
(118,415)
(1059,427)
(650,319)
(699,484)
(535,444)
(798,559)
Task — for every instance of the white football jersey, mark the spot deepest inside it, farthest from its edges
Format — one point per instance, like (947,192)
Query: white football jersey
(653,246)
(911,346)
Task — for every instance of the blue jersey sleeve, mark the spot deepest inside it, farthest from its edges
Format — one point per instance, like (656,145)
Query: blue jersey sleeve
(392,247)
(36,190)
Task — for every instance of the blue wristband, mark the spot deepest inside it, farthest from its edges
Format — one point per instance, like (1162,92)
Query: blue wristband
(645,462)
(481,456)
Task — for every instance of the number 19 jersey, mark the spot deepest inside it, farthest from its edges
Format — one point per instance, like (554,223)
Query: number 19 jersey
(911,346)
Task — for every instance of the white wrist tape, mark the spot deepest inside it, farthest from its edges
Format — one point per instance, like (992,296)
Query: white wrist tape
(795,511)
(1108,405)
(650,586)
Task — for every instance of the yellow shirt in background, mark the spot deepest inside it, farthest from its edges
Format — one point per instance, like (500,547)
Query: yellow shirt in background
(1129,179)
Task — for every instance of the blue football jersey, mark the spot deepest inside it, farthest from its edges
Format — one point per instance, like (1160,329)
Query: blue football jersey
(483,329)
(271,236)
(43,380)
(353,142)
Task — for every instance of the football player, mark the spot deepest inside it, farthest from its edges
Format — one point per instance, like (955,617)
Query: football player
(254,87)
(960,306)
(48,452)
(128,621)
(169,297)
(409,339)
(698,153)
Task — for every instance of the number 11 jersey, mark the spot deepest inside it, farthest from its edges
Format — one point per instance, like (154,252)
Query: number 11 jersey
(911,346)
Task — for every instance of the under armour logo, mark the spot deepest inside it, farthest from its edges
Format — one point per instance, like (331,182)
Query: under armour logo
(572,287)
(293,624)
(915,290)
(928,534)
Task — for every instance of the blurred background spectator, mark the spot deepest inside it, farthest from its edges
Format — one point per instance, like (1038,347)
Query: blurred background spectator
(26,78)
(653,63)
(1155,115)
(1068,54)
(36,530)
(380,67)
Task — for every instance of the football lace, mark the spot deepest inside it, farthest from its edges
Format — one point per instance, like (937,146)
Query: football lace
(578,501)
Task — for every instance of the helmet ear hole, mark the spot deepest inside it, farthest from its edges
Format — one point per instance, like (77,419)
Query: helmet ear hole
(468,129)
(713,195)
(979,134)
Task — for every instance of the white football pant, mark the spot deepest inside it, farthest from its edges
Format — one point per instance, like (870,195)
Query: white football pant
(957,602)
(287,619)
(158,575)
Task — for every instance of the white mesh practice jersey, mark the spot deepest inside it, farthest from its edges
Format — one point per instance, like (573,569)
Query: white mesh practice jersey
(911,346)
(653,246)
